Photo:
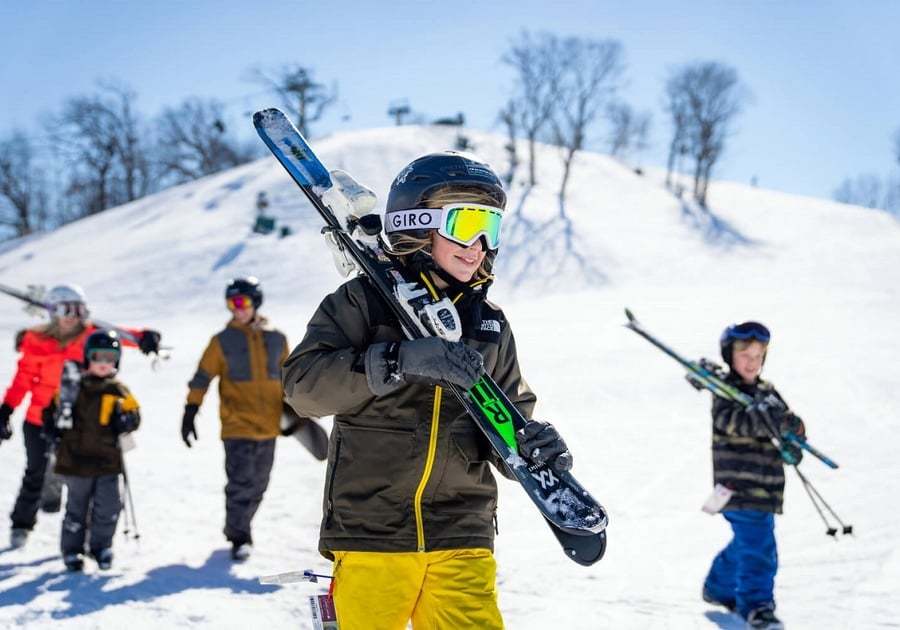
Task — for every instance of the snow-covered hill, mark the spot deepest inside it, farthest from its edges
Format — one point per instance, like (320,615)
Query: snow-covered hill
(824,276)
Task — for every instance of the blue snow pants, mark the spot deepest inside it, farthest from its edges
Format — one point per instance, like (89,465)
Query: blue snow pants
(744,571)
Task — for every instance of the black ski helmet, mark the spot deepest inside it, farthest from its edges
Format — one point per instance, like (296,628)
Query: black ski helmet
(103,340)
(743,332)
(249,286)
(425,175)
(421,177)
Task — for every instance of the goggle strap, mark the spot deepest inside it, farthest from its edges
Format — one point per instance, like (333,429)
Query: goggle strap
(413,219)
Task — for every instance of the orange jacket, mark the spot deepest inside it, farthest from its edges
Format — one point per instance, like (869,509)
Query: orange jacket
(40,368)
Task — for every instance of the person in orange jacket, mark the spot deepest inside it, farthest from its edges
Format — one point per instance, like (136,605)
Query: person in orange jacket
(247,358)
(43,351)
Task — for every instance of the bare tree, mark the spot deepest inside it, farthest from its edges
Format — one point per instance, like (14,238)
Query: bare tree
(510,119)
(133,160)
(678,108)
(535,62)
(101,137)
(712,96)
(892,195)
(23,189)
(589,77)
(306,99)
(193,141)
(629,130)
(864,190)
(897,145)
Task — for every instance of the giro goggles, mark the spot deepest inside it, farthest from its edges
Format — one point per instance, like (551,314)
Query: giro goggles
(747,330)
(239,302)
(103,356)
(70,309)
(462,223)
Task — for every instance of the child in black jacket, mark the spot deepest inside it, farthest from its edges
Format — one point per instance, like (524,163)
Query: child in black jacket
(87,427)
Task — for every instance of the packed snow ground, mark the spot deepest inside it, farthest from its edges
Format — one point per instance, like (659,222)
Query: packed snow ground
(824,276)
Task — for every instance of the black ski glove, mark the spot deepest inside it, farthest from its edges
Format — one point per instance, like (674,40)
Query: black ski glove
(792,424)
(767,412)
(5,429)
(20,336)
(427,360)
(290,421)
(540,442)
(187,423)
(126,421)
(49,429)
(149,341)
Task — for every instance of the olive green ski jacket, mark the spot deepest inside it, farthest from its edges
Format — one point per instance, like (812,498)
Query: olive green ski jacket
(409,470)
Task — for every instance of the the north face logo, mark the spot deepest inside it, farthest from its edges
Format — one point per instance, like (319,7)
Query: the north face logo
(490,325)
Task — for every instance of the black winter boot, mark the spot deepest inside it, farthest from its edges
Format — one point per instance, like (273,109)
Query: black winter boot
(763,618)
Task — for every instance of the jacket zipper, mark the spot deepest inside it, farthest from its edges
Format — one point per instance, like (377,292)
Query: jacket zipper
(429,464)
(337,458)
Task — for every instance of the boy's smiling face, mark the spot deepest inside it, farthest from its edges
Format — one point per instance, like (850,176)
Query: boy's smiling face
(747,361)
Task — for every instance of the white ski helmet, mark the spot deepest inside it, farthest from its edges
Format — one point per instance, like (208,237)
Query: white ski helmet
(66,293)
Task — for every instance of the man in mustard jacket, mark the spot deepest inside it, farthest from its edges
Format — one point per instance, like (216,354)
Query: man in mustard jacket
(247,358)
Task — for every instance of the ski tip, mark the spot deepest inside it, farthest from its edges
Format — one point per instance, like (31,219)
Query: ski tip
(267,114)
(630,315)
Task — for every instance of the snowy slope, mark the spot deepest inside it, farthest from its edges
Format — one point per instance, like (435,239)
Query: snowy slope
(824,276)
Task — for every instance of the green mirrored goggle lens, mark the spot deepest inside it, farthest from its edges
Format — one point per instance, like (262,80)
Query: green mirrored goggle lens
(465,224)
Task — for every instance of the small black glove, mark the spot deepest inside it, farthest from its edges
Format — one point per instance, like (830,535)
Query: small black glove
(290,421)
(49,429)
(425,360)
(540,442)
(792,424)
(5,429)
(187,423)
(149,341)
(767,412)
(125,421)
(20,336)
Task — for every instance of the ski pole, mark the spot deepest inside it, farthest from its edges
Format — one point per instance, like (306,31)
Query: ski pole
(129,502)
(812,490)
(127,528)
(830,530)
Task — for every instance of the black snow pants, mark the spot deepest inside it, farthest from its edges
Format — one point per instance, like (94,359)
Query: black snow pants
(24,514)
(92,512)
(248,464)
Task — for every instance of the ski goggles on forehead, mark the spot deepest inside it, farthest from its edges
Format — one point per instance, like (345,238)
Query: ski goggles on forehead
(239,302)
(462,223)
(70,309)
(749,330)
(103,356)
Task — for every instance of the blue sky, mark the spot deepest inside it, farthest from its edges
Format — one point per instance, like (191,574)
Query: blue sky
(826,98)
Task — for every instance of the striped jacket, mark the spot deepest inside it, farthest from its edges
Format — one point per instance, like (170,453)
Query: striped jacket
(744,458)
(247,360)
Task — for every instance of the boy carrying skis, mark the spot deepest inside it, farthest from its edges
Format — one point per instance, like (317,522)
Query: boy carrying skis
(750,466)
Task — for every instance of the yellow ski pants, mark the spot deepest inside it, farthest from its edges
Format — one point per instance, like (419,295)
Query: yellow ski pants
(438,590)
